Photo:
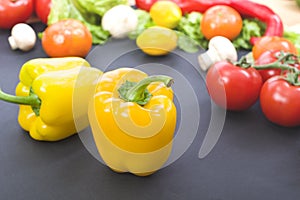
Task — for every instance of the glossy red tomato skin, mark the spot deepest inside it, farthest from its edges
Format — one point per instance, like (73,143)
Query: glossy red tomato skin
(266,58)
(269,57)
(14,12)
(42,9)
(279,101)
(232,87)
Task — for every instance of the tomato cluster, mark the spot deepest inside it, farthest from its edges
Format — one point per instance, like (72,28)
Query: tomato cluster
(272,79)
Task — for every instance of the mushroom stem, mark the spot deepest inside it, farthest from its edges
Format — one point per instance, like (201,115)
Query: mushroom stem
(12,43)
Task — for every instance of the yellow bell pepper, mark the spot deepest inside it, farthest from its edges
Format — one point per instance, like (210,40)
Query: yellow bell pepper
(45,94)
(133,120)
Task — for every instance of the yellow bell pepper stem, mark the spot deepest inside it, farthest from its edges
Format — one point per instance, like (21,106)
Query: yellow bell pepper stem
(137,92)
(32,100)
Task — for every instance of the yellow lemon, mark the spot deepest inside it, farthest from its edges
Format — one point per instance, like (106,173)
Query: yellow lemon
(157,40)
(165,13)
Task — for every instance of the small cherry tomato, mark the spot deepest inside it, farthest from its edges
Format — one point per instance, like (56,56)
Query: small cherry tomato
(233,87)
(13,12)
(221,20)
(42,9)
(272,43)
(280,103)
(68,37)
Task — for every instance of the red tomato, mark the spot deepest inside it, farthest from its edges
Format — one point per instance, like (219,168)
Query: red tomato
(267,58)
(67,37)
(42,9)
(272,43)
(280,103)
(232,87)
(14,12)
(221,20)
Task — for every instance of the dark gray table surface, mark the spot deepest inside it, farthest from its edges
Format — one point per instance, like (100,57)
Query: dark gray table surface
(253,159)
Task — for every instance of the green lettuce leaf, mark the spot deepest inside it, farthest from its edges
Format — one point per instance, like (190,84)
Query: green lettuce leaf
(251,28)
(189,33)
(191,38)
(88,12)
(144,22)
(294,37)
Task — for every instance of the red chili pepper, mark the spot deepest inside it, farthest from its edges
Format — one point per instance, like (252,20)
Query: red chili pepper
(246,8)
(274,26)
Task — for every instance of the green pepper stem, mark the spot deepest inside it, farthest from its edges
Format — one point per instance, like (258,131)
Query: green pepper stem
(284,62)
(31,100)
(137,93)
(275,65)
(281,63)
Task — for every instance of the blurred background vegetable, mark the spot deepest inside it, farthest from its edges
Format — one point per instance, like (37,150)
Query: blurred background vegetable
(249,9)
(272,43)
(119,21)
(90,12)
(221,20)
(144,22)
(190,26)
(42,9)
(13,12)
(251,28)
(157,41)
(165,13)
(190,35)
(68,37)
(293,35)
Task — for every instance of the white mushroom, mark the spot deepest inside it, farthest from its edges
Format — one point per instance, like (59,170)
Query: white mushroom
(120,20)
(22,37)
(219,48)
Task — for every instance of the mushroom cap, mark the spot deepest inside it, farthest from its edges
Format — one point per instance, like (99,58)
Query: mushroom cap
(120,20)
(223,47)
(22,37)
(219,48)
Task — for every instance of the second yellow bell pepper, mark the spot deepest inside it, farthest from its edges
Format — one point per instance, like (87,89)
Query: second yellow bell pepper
(45,94)
(133,120)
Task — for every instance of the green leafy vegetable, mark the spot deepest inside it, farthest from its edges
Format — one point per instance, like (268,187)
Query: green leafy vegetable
(294,37)
(191,37)
(144,22)
(251,28)
(186,43)
(89,12)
